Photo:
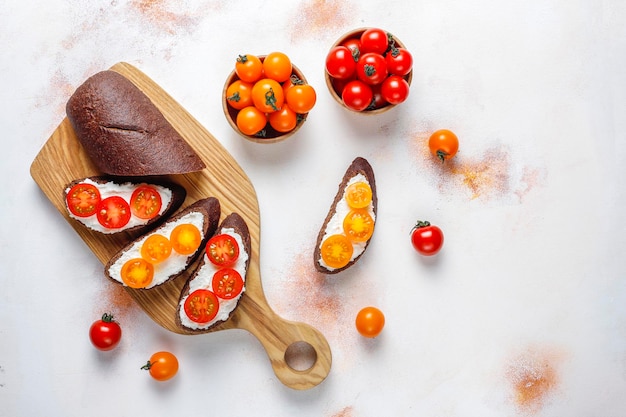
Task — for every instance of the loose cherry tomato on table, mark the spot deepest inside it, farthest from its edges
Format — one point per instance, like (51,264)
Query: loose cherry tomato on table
(357,95)
(83,199)
(201,306)
(249,68)
(443,144)
(374,40)
(340,63)
(145,202)
(222,250)
(370,322)
(371,68)
(427,239)
(162,366)
(105,334)
(394,89)
(113,212)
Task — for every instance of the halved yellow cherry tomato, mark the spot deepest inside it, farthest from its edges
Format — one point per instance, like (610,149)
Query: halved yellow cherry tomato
(358,194)
(156,248)
(336,251)
(358,225)
(185,238)
(137,273)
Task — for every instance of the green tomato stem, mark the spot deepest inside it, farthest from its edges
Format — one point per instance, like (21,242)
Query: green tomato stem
(107,318)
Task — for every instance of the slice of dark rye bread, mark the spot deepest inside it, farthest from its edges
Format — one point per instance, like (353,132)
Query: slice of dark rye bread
(238,224)
(359,165)
(178,196)
(124,133)
(208,207)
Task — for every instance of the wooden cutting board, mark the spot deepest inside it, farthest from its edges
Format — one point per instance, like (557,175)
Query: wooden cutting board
(62,159)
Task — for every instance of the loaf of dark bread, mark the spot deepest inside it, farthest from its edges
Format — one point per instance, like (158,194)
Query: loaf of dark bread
(124,133)
(358,166)
(201,278)
(209,210)
(123,187)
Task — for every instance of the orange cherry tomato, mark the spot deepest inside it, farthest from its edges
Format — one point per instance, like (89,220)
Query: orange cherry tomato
(156,248)
(137,273)
(283,120)
(249,68)
(162,366)
(145,202)
(267,95)
(336,251)
(251,120)
(201,306)
(239,94)
(358,194)
(443,144)
(358,225)
(222,250)
(370,322)
(185,239)
(83,199)
(277,66)
(227,283)
(301,98)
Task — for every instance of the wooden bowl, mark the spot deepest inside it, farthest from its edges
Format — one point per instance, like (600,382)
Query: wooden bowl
(271,135)
(355,34)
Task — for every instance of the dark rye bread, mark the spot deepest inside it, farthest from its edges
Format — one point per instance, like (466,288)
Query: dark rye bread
(238,224)
(178,196)
(208,207)
(359,165)
(124,133)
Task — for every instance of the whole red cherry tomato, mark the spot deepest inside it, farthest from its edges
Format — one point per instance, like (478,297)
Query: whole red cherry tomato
(371,68)
(357,95)
(105,333)
(374,40)
(399,61)
(394,89)
(426,238)
(340,62)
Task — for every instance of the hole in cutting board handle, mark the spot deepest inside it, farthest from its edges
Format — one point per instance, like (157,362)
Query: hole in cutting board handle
(300,356)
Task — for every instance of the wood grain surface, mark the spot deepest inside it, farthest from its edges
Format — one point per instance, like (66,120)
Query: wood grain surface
(62,159)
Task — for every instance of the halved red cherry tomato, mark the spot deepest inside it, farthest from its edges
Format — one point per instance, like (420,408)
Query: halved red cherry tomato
(222,250)
(201,306)
(374,40)
(336,251)
(227,283)
(82,199)
(145,202)
(185,238)
(358,194)
(156,248)
(137,273)
(358,225)
(113,212)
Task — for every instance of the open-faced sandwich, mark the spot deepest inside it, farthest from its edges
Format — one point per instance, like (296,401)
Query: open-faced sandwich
(162,254)
(349,225)
(213,291)
(124,133)
(109,205)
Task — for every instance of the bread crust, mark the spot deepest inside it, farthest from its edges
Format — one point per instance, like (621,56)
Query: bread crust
(124,133)
(178,196)
(358,166)
(238,224)
(208,207)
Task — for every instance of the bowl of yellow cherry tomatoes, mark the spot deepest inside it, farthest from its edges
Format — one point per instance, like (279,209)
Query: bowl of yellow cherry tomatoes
(369,70)
(266,98)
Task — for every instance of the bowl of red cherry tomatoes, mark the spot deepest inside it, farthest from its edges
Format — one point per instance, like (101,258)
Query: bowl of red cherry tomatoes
(368,70)
(266,98)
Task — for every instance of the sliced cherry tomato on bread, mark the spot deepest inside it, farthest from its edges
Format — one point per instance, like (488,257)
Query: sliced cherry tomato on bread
(358,194)
(185,239)
(113,212)
(156,248)
(145,202)
(227,283)
(82,199)
(137,273)
(201,306)
(222,250)
(336,251)
(358,225)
